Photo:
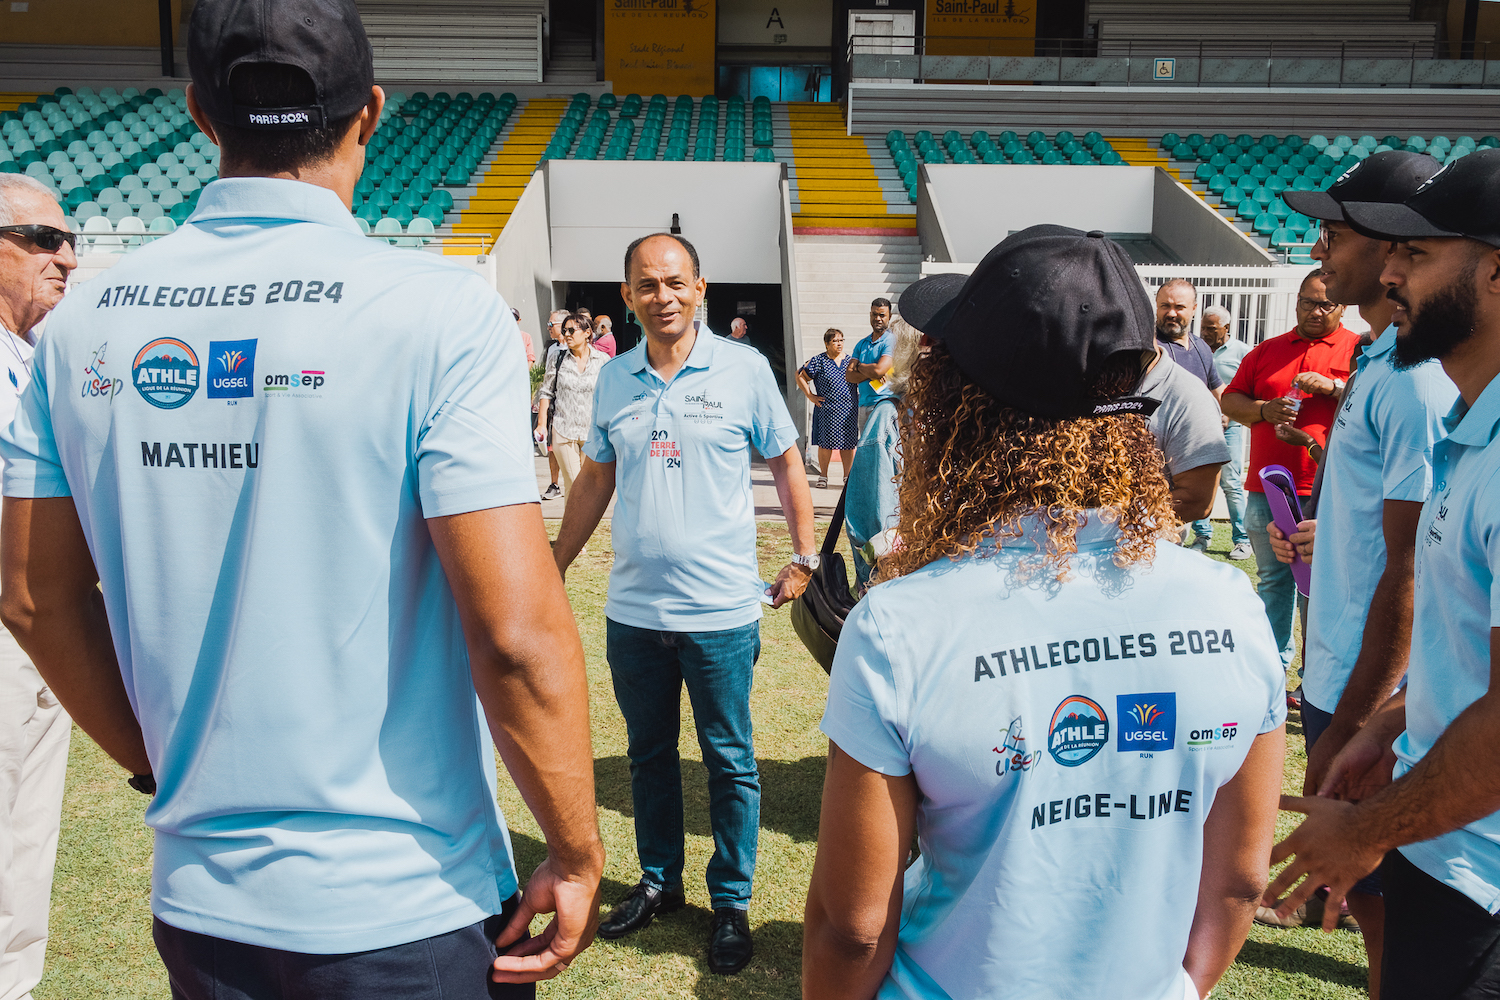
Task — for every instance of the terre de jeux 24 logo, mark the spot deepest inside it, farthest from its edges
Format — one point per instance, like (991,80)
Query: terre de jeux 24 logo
(231,368)
(1079,730)
(1146,722)
(165,373)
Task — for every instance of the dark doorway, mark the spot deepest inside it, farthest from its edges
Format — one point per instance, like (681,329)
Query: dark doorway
(602,298)
(760,307)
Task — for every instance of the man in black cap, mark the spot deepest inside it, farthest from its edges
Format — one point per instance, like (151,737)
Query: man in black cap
(1432,824)
(313,522)
(971,700)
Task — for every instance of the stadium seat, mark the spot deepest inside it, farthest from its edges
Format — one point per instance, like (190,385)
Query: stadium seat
(1265,224)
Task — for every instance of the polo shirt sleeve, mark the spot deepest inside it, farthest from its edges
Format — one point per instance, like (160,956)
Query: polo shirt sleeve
(1210,370)
(771,428)
(598,446)
(1194,433)
(33,467)
(473,447)
(1244,376)
(887,345)
(1409,412)
(864,714)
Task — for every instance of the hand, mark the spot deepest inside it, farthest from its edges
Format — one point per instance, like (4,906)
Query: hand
(817,400)
(1224,421)
(1294,435)
(1278,411)
(539,435)
(1360,769)
(1329,849)
(1314,382)
(1301,541)
(789,584)
(575,901)
(851,374)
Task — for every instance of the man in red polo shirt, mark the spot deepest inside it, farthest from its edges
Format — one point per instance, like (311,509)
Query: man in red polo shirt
(1288,381)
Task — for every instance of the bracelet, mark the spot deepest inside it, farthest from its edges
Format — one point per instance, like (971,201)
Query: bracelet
(1263,410)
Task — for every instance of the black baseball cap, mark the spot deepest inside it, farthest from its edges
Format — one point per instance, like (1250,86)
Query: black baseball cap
(324,38)
(1392,176)
(1462,200)
(1040,317)
(928,303)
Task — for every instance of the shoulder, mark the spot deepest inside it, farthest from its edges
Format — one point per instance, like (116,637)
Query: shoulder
(735,354)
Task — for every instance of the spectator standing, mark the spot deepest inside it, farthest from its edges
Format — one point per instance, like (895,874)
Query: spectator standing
(565,407)
(525,339)
(36,254)
(1034,524)
(289,671)
(674,420)
(872,359)
(1293,379)
(1229,351)
(550,361)
(739,330)
(834,424)
(604,335)
(1432,824)
(1176,304)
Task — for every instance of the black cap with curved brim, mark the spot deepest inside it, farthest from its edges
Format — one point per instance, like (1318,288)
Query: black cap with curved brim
(324,38)
(928,303)
(1036,322)
(1460,200)
(1392,176)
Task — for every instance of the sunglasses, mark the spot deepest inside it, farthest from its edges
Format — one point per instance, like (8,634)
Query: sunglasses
(45,237)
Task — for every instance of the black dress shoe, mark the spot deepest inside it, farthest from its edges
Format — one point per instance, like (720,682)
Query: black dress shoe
(639,907)
(729,946)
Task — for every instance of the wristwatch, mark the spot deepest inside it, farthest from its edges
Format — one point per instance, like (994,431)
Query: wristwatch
(143,783)
(809,563)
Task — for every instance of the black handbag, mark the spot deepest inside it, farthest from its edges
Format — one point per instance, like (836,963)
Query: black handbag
(818,615)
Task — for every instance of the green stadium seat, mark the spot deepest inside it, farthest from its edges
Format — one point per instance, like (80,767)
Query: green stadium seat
(1275,185)
(1265,224)
(1303,184)
(765,155)
(1299,224)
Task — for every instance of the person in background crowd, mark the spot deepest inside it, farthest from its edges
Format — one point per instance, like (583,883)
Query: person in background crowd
(872,359)
(604,335)
(1416,791)
(1077,836)
(1176,302)
(525,339)
(565,408)
(1228,353)
(675,418)
(549,361)
(834,425)
(353,597)
(739,329)
(36,256)
(585,314)
(1293,379)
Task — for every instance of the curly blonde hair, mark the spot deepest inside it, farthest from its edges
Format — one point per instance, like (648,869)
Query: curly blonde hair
(974,466)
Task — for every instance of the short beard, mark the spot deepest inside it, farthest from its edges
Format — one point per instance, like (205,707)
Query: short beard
(1444,322)
(1162,333)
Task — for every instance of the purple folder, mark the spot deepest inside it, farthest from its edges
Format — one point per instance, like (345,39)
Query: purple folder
(1286,511)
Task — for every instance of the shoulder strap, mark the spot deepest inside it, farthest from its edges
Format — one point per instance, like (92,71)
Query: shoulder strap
(831,540)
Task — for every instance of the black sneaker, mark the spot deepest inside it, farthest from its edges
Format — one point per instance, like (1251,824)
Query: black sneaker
(639,907)
(553,492)
(729,945)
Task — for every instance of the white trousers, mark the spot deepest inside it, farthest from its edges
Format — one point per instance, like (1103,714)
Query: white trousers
(34,733)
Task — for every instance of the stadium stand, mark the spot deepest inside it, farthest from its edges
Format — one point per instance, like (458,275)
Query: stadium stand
(465,43)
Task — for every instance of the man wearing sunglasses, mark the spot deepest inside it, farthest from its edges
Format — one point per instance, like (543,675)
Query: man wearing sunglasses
(36,254)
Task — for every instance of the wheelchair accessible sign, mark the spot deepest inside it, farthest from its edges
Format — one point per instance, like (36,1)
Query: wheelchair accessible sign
(1164,69)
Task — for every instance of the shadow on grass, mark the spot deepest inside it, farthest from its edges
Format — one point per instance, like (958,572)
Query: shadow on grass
(1286,958)
(791,794)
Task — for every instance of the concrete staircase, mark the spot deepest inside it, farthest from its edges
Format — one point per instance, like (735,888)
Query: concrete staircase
(838,276)
(835,183)
(572,58)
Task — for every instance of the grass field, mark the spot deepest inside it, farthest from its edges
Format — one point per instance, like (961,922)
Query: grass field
(101,939)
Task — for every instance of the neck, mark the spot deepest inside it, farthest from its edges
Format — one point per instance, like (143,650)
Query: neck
(15,320)
(1307,336)
(668,353)
(1377,312)
(1473,364)
(579,351)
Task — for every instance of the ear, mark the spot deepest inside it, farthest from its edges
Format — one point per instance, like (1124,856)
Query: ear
(626,296)
(1488,271)
(195,110)
(370,115)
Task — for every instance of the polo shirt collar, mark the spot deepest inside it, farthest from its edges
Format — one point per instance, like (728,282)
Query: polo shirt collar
(1475,426)
(1093,533)
(272,198)
(701,356)
(1383,345)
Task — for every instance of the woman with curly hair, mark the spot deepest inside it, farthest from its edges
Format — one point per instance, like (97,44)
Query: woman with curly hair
(1081,722)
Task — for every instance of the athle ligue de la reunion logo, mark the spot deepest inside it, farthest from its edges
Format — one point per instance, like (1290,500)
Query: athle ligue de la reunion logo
(1079,730)
(165,373)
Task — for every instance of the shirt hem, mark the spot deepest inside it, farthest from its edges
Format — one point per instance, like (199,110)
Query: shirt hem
(503,493)
(718,621)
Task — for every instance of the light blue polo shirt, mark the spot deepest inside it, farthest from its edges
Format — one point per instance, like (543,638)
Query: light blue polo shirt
(867,352)
(254,417)
(1068,741)
(1228,357)
(1457,603)
(684,523)
(1382,450)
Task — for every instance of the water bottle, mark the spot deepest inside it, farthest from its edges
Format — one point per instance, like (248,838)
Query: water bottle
(1294,397)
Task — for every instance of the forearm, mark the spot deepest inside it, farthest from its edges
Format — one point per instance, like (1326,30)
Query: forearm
(796,499)
(1384,651)
(543,404)
(1220,927)
(587,503)
(1240,407)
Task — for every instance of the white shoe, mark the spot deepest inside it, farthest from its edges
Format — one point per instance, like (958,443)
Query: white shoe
(553,492)
(1241,552)
(1199,543)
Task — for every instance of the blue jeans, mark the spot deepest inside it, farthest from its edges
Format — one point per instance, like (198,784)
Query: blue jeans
(649,669)
(1232,482)
(1278,591)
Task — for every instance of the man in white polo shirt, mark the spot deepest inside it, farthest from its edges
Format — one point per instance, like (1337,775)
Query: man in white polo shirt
(309,507)
(674,420)
(1435,822)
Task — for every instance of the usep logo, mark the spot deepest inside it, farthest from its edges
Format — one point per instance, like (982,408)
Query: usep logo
(231,368)
(165,373)
(1079,730)
(1146,721)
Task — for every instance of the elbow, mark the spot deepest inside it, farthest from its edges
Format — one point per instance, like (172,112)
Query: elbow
(852,937)
(17,612)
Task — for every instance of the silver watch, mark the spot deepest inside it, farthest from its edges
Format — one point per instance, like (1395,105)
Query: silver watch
(810,563)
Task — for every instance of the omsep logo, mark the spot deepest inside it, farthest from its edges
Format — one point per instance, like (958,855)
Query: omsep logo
(1218,737)
(1079,730)
(1013,752)
(165,373)
(306,382)
(231,368)
(1147,721)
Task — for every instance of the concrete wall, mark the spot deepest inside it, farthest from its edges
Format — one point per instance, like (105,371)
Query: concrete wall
(1193,231)
(522,259)
(932,231)
(982,204)
(730,211)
